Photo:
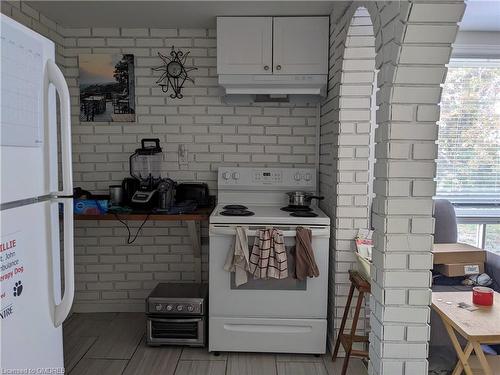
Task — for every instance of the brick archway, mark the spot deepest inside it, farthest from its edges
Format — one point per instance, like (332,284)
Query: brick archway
(412,47)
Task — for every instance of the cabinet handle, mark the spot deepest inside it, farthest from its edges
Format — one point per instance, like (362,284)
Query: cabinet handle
(266,67)
(278,67)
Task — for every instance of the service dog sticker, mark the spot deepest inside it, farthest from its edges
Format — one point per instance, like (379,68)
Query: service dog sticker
(11,272)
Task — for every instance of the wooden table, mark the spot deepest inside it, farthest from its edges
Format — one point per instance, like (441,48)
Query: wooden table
(192,222)
(481,326)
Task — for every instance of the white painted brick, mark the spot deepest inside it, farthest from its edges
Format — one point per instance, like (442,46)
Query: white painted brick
(421,297)
(134,32)
(430,33)
(425,151)
(406,279)
(425,54)
(428,113)
(105,31)
(436,12)
(423,188)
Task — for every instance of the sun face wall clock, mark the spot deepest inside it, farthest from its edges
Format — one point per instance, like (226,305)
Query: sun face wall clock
(175,72)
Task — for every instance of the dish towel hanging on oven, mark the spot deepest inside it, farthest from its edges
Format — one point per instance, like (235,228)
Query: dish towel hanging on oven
(268,258)
(237,260)
(305,264)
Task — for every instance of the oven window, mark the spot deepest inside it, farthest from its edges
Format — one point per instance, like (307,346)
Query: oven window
(165,329)
(290,283)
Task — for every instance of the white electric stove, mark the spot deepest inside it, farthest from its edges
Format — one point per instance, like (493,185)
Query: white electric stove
(287,316)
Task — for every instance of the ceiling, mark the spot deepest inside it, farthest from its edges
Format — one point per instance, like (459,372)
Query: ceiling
(168,13)
(481,15)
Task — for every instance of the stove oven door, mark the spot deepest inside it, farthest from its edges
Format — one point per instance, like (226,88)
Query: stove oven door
(271,298)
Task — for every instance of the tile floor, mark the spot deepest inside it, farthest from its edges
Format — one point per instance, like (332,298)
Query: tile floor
(113,344)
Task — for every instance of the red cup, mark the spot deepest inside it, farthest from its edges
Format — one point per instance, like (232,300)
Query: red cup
(482,296)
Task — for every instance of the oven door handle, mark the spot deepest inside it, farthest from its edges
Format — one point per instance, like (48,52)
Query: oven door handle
(176,320)
(231,231)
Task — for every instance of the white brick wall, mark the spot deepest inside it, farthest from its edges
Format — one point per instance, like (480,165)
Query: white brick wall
(345,138)
(26,15)
(215,134)
(114,276)
(412,44)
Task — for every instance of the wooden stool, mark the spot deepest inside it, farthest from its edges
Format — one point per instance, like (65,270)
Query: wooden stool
(348,339)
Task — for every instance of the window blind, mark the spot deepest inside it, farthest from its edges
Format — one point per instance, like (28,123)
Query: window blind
(468,165)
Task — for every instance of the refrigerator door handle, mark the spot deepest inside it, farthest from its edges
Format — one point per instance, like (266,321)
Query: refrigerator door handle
(55,76)
(62,309)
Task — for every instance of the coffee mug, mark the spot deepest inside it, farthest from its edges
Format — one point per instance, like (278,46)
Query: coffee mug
(115,195)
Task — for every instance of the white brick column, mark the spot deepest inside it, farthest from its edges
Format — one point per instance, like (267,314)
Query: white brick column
(346,117)
(413,45)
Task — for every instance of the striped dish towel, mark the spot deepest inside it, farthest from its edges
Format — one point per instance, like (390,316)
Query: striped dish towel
(268,258)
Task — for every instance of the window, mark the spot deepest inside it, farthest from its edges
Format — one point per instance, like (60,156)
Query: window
(468,167)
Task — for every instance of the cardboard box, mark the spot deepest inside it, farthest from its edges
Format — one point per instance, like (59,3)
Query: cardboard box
(453,253)
(459,269)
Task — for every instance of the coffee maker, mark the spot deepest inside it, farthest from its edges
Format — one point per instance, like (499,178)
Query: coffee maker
(145,166)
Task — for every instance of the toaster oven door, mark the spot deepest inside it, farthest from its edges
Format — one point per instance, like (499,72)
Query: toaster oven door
(178,331)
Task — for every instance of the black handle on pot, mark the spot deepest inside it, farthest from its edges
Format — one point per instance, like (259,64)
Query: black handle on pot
(311,197)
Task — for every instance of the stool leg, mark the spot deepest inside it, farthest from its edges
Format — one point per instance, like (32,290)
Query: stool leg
(344,319)
(353,332)
(356,313)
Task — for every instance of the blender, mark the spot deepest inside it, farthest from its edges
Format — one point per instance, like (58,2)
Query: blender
(145,164)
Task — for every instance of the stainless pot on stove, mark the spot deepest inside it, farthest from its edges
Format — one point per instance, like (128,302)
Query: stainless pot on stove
(301,198)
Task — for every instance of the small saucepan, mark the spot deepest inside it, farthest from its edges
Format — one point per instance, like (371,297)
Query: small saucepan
(301,198)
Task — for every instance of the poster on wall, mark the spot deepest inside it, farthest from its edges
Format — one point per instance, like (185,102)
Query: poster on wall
(107,89)
(11,272)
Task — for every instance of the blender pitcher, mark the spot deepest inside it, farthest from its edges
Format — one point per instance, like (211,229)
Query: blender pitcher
(145,163)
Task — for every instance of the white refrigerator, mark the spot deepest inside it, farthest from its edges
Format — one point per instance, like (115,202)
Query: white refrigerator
(35,203)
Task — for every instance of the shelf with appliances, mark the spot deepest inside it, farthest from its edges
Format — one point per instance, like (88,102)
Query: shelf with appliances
(192,221)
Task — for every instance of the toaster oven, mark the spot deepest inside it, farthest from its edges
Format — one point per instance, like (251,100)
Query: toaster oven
(176,314)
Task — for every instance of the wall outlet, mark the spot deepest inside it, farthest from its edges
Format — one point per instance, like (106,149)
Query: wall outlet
(183,154)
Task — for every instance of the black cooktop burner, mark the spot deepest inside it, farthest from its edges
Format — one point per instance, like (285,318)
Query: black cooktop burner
(303,214)
(235,207)
(296,209)
(237,213)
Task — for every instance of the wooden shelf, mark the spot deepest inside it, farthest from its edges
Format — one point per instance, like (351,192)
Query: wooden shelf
(200,214)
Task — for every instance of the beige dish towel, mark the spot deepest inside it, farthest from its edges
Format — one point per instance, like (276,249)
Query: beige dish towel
(268,258)
(305,264)
(237,258)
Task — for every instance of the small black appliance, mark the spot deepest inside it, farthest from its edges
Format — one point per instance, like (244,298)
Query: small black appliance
(145,166)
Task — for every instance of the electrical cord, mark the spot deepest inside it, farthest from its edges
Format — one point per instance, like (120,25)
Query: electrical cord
(128,228)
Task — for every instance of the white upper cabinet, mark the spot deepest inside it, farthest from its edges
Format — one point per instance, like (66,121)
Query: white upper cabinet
(272,45)
(244,45)
(300,45)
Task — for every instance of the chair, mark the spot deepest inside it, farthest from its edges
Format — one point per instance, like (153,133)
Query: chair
(445,230)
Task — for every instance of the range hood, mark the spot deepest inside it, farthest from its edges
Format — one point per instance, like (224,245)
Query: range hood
(273,84)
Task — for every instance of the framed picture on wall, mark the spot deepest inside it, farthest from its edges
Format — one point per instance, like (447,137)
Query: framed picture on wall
(107,89)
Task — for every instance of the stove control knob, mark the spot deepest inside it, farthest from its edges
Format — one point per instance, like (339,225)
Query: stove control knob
(190,308)
(236,176)
(169,307)
(226,175)
(180,307)
(308,177)
(158,307)
(297,177)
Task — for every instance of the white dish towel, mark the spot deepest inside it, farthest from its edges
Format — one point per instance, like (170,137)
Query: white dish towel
(238,258)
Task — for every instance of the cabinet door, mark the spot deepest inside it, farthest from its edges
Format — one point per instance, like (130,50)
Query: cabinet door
(300,45)
(244,45)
